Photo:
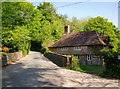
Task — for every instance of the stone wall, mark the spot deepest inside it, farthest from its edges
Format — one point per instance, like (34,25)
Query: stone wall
(58,59)
(14,56)
(95,60)
(10,57)
(70,50)
(85,50)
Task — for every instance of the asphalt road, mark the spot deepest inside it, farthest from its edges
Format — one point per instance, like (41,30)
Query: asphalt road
(35,70)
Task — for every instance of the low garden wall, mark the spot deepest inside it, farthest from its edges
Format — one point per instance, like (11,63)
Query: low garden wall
(14,56)
(10,57)
(4,59)
(59,60)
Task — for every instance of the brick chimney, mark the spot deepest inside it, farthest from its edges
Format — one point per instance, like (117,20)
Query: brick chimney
(66,29)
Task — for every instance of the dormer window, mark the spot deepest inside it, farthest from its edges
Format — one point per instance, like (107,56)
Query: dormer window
(64,48)
(77,48)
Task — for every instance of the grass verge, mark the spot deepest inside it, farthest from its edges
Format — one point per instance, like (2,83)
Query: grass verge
(92,69)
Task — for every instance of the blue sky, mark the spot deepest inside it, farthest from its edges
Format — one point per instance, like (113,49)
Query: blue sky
(108,10)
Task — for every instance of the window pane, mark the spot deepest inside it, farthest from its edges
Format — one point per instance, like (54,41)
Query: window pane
(89,57)
(77,48)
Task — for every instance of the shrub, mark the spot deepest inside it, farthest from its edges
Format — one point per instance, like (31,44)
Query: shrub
(17,39)
(43,50)
(112,64)
(75,63)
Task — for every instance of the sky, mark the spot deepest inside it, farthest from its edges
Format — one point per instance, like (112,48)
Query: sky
(108,10)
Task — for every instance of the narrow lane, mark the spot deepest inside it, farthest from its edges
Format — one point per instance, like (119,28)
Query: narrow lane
(35,70)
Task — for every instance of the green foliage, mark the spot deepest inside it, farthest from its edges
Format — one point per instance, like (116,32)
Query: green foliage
(3,53)
(91,69)
(24,24)
(13,0)
(17,40)
(16,17)
(75,63)
(85,68)
(104,27)
(77,25)
(43,50)
(16,14)
(112,64)
(51,25)
(48,11)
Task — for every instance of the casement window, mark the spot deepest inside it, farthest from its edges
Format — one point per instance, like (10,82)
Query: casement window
(64,48)
(77,48)
(89,57)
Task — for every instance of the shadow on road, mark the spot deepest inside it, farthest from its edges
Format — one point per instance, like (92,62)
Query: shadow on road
(18,76)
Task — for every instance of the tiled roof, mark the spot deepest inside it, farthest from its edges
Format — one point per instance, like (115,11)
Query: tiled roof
(79,39)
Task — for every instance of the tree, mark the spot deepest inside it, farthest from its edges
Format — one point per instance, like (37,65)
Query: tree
(48,11)
(104,27)
(16,14)
(15,29)
(77,25)
(17,40)
(52,25)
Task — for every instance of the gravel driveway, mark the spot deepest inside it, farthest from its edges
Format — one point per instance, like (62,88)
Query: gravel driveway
(35,70)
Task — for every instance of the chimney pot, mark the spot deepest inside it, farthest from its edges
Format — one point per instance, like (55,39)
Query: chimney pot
(66,29)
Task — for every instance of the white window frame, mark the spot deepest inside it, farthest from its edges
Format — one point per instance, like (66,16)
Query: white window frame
(77,48)
(89,57)
(64,48)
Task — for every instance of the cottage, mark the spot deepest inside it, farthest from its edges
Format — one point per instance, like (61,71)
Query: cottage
(84,45)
